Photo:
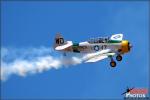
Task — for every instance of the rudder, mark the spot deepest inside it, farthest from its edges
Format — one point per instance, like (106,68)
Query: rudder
(59,40)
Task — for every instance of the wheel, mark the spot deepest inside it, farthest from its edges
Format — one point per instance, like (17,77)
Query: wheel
(113,64)
(118,57)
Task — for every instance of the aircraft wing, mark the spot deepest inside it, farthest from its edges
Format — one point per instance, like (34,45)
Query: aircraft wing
(94,57)
(68,44)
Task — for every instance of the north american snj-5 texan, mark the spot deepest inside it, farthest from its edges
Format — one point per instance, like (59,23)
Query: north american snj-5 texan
(96,49)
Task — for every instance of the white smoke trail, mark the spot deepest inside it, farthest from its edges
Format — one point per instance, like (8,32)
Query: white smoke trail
(31,60)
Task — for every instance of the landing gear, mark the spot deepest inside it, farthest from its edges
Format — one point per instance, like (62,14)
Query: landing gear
(112,63)
(118,57)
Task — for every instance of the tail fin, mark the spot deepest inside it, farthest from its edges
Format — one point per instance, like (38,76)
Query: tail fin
(59,40)
(117,37)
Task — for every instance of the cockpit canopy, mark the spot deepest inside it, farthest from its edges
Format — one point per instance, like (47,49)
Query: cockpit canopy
(99,40)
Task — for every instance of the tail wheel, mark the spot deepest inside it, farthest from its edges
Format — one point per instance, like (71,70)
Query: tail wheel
(118,57)
(113,64)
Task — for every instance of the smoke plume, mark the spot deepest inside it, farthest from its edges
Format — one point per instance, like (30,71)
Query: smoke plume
(27,61)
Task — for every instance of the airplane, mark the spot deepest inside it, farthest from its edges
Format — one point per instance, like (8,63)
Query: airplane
(127,90)
(96,49)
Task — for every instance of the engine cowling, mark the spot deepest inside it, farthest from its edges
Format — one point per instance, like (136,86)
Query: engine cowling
(125,46)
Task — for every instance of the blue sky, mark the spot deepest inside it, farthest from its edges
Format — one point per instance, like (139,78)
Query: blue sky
(34,24)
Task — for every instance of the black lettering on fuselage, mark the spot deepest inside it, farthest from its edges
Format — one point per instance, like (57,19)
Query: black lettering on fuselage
(103,47)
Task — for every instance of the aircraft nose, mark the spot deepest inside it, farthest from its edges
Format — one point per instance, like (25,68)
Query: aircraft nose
(129,46)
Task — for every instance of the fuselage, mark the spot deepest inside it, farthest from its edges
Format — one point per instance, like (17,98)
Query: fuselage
(87,47)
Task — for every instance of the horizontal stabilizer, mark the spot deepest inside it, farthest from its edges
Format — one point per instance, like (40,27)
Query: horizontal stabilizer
(62,47)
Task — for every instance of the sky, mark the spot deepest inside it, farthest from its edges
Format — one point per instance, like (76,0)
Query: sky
(34,24)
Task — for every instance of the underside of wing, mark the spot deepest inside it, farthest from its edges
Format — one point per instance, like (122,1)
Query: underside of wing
(68,44)
(95,59)
(99,56)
